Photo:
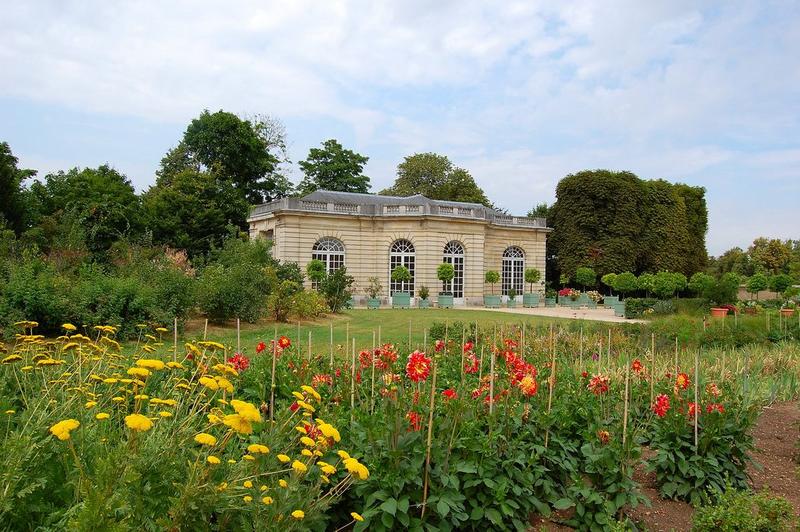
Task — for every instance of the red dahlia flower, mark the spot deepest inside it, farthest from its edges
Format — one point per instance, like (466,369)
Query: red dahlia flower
(239,362)
(414,421)
(715,407)
(692,409)
(599,384)
(284,342)
(260,347)
(604,436)
(449,394)
(636,366)
(528,385)
(713,389)
(682,382)
(468,347)
(438,345)
(471,365)
(661,405)
(418,366)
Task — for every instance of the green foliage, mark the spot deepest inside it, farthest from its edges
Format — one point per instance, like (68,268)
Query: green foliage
(780,282)
(757,283)
(609,280)
(333,168)
(491,277)
(625,282)
(423,292)
(232,149)
(336,287)
(280,300)
(308,304)
(532,276)
(725,289)
(401,274)
(740,510)
(665,284)
(622,223)
(193,211)
(435,177)
(646,283)
(701,284)
(445,273)
(315,270)
(585,276)
(374,287)
(13,207)
(227,292)
(771,255)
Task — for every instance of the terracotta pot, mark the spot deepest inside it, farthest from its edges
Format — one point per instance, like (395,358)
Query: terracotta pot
(787,311)
(717,312)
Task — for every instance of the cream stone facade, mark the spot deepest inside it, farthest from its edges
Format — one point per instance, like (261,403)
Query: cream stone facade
(370,234)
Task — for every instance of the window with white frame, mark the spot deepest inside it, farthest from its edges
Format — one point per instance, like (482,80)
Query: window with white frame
(454,254)
(401,253)
(513,270)
(330,251)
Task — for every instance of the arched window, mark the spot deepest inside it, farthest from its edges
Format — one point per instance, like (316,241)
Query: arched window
(401,254)
(513,270)
(330,251)
(454,254)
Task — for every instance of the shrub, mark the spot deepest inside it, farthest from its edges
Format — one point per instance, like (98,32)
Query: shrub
(744,512)
(585,276)
(374,287)
(646,283)
(625,282)
(757,283)
(280,300)
(424,292)
(609,280)
(238,291)
(638,307)
(315,270)
(307,304)
(725,289)
(336,287)
(701,284)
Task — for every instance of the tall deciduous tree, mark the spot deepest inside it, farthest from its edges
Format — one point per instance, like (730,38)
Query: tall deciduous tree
(193,210)
(771,255)
(333,167)
(12,194)
(434,176)
(231,149)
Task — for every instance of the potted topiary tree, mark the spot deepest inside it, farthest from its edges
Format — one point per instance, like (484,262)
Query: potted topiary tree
(445,274)
(585,276)
(423,297)
(401,299)
(550,297)
(374,289)
(512,298)
(491,301)
(531,299)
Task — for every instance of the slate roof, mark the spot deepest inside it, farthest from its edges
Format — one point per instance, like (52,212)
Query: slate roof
(375,199)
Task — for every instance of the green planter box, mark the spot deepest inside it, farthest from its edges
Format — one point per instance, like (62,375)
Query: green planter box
(445,301)
(530,300)
(424,303)
(401,300)
(549,302)
(610,300)
(491,301)
(511,303)
(619,309)
(373,303)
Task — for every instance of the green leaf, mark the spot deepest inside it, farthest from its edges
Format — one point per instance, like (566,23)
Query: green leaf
(494,516)
(389,506)
(563,504)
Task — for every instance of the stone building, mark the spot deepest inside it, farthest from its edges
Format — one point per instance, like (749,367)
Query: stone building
(371,235)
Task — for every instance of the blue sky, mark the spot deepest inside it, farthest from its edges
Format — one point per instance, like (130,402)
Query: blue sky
(518,93)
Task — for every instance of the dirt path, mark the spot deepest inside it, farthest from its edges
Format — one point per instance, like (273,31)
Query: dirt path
(776,435)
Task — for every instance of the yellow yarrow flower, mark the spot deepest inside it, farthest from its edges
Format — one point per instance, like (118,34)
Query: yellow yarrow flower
(62,429)
(267,500)
(247,499)
(283,458)
(165,414)
(150,363)
(308,442)
(298,514)
(102,415)
(90,404)
(69,327)
(343,455)
(257,448)
(247,410)
(282,483)
(306,452)
(329,431)
(210,383)
(138,422)
(356,516)
(247,484)
(213,460)
(311,391)
(299,467)
(249,457)
(238,423)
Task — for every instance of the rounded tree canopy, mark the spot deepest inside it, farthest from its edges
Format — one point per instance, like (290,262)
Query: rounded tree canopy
(401,274)
(492,277)
(532,275)
(585,276)
(609,279)
(757,283)
(625,282)
(445,272)
(316,270)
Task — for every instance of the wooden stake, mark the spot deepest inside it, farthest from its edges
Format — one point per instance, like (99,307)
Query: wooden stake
(238,337)
(331,350)
(353,383)
(491,382)
(272,378)
(175,340)
(372,388)
(346,337)
(625,411)
(608,353)
(550,383)
(430,436)
(652,364)
(580,351)
(309,345)
(676,355)
(409,335)
(696,406)
(480,365)
(205,330)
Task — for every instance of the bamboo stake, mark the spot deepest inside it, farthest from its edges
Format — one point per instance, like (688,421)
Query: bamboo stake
(205,330)
(346,337)
(480,365)
(353,383)
(309,344)
(652,364)
(580,351)
(372,388)
(409,334)
(430,437)
(625,411)
(175,340)
(491,382)
(238,337)
(272,378)
(550,382)
(331,349)
(676,355)
(696,406)
(298,337)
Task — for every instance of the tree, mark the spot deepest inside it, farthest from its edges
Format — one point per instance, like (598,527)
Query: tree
(445,273)
(492,277)
(664,284)
(680,281)
(646,282)
(333,168)
(779,283)
(315,270)
(756,283)
(540,211)
(734,260)
(665,240)
(585,276)
(12,195)
(701,284)
(435,177)
(609,279)
(101,200)
(771,255)
(625,282)
(194,212)
(694,200)
(336,287)
(401,274)
(725,289)
(532,275)
(235,150)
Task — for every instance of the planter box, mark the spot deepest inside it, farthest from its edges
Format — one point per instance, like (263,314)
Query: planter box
(445,301)
(785,312)
(492,301)
(373,303)
(619,309)
(719,312)
(530,300)
(549,302)
(424,303)
(610,300)
(511,303)
(401,300)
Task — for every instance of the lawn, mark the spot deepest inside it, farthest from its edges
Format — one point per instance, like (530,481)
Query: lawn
(394,324)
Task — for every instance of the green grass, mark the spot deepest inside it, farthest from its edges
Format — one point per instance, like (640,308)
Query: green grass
(359,324)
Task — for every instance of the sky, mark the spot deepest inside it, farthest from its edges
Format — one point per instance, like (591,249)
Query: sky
(518,93)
